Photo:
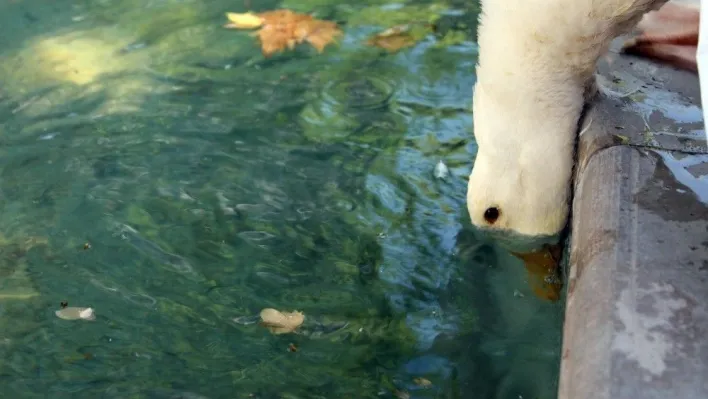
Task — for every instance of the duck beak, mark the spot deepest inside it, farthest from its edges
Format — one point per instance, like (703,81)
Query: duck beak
(543,270)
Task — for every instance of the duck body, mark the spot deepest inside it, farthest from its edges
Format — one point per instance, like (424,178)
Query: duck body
(535,72)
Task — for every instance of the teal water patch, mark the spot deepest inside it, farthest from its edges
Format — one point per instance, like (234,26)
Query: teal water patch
(157,168)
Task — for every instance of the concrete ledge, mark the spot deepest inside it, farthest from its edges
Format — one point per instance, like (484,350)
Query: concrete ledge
(636,322)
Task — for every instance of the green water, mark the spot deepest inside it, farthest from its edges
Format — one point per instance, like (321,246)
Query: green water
(211,183)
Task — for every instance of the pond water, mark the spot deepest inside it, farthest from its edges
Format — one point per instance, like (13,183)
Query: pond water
(156,167)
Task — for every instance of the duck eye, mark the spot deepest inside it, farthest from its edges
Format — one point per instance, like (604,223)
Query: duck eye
(491,215)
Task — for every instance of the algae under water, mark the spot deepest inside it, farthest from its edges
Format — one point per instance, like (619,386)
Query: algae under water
(156,168)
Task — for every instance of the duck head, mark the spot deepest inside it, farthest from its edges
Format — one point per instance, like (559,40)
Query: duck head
(534,72)
(520,181)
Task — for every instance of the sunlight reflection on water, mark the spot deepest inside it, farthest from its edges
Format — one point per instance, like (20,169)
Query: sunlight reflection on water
(212,183)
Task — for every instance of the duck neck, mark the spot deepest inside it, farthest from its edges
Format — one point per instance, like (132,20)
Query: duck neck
(532,93)
(525,49)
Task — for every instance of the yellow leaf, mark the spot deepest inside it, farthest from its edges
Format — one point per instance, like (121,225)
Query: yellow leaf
(243,21)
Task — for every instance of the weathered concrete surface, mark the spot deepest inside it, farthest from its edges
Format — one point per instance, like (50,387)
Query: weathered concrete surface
(636,322)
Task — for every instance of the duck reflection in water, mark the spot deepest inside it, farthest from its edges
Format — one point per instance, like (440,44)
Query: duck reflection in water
(541,257)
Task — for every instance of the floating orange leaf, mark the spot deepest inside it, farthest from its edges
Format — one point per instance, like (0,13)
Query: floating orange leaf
(284,29)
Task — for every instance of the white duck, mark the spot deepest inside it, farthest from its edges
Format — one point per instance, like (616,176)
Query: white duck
(536,70)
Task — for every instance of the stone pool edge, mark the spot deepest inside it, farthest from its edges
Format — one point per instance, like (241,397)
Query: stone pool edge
(636,319)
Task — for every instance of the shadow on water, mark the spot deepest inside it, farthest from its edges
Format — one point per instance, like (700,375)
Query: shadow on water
(155,167)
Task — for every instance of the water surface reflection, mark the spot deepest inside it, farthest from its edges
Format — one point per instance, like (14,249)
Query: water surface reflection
(212,183)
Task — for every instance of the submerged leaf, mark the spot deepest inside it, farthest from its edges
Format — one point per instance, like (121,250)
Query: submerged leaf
(284,29)
(422,382)
(402,395)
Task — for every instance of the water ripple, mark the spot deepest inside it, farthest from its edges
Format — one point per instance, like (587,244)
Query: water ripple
(367,92)
(443,86)
(451,92)
(136,298)
(255,236)
(343,105)
(149,248)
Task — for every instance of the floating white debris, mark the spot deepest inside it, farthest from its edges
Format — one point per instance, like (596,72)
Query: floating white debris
(281,322)
(76,313)
(48,136)
(441,170)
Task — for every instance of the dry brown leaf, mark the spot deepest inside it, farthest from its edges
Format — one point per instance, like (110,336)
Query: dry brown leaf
(393,39)
(281,322)
(284,29)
